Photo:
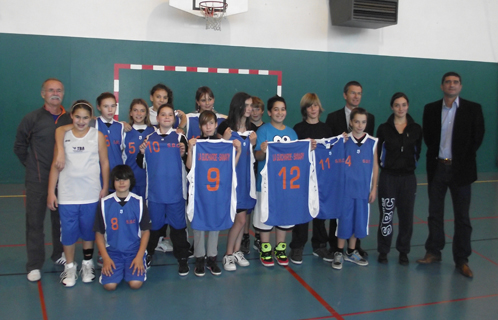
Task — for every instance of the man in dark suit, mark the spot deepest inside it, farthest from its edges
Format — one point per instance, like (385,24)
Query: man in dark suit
(338,121)
(453,131)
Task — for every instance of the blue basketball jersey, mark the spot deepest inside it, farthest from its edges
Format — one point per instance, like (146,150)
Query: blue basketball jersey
(358,167)
(289,189)
(166,175)
(132,141)
(212,186)
(267,132)
(193,130)
(122,223)
(113,139)
(246,179)
(329,161)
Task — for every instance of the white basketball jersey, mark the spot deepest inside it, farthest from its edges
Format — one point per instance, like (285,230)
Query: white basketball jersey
(79,181)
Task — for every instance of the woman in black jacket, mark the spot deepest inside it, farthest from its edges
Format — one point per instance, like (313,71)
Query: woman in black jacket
(400,141)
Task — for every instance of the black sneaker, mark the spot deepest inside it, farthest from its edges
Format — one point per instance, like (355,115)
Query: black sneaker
(199,267)
(191,251)
(323,253)
(403,259)
(296,256)
(183,268)
(245,244)
(148,262)
(213,266)
(257,242)
(382,258)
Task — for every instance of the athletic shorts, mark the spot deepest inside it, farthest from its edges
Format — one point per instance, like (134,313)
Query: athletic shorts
(256,218)
(123,261)
(171,213)
(354,220)
(77,222)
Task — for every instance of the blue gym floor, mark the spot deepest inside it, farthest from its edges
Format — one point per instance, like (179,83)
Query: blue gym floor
(312,290)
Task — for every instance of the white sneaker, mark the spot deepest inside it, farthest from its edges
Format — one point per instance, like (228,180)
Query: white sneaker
(229,263)
(69,275)
(355,257)
(338,259)
(34,275)
(87,271)
(240,259)
(164,245)
(62,260)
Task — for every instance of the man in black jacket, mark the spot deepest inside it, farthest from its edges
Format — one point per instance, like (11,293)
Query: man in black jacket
(453,131)
(34,146)
(338,121)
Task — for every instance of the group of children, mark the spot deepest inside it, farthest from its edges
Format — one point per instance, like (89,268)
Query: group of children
(143,165)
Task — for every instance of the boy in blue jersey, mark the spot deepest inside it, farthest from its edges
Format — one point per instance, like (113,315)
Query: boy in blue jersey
(121,228)
(276,130)
(361,174)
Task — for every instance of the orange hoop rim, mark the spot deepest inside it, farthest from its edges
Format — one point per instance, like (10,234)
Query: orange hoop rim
(210,7)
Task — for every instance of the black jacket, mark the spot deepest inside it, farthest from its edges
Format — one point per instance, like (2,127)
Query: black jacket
(468,133)
(35,140)
(337,122)
(399,153)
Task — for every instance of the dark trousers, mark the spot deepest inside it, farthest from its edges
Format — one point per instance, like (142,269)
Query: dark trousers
(460,196)
(396,192)
(300,235)
(36,208)
(178,239)
(320,235)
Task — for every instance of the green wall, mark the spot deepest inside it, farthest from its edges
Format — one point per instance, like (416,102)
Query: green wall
(86,67)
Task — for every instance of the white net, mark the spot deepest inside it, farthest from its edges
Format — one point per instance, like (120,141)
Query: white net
(213,11)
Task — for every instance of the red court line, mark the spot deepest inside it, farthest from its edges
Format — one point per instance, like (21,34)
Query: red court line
(483,256)
(420,305)
(314,294)
(42,301)
(479,254)
(320,318)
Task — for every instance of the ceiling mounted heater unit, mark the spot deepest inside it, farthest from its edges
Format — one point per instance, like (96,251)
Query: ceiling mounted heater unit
(371,14)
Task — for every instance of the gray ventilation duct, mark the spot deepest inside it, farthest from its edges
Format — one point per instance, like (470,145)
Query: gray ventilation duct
(370,14)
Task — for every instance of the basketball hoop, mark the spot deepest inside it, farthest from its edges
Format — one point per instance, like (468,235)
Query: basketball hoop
(213,12)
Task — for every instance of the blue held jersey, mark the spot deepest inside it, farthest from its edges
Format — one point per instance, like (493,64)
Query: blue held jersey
(166,175)
(122,223)
(193,130)
(329,161)
(267,132)
(131,143)
(246,179)
(113,140)
(212,186)
(289,190)
(358,167)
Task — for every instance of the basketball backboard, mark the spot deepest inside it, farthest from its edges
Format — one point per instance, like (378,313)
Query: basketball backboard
(192,6)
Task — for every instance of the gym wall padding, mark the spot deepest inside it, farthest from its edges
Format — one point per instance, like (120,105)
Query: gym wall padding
(86,67)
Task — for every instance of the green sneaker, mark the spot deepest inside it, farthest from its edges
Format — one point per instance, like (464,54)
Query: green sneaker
(265,255)
(280,254)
